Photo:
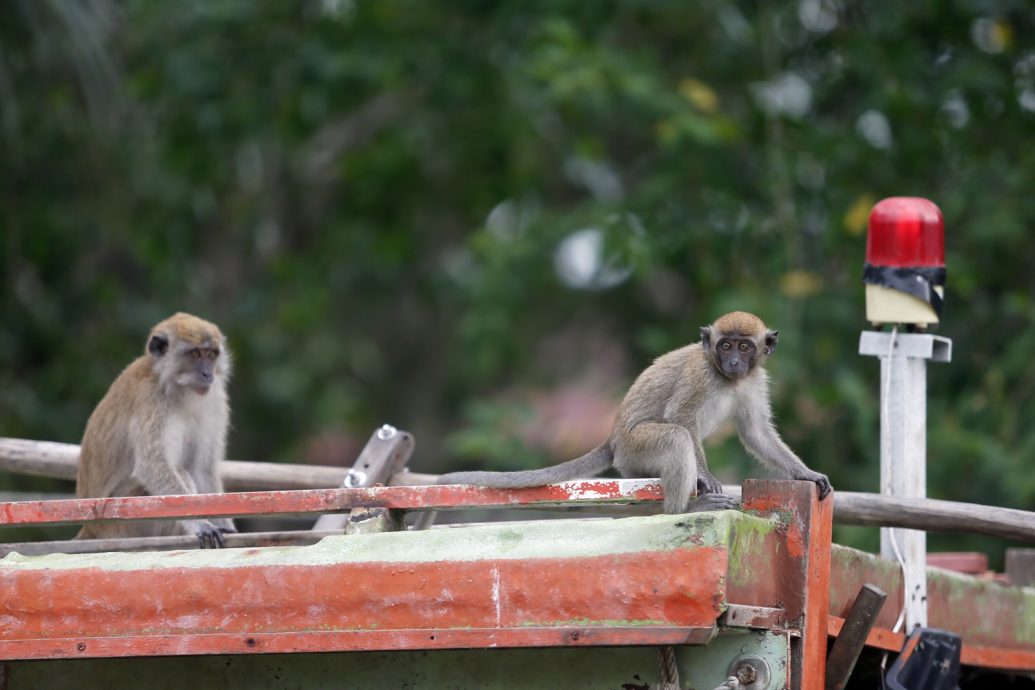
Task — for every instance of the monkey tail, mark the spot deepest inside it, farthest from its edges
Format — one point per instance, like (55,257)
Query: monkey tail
(589,465)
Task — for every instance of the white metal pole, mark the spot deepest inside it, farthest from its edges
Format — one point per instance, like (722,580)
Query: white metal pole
(903,448)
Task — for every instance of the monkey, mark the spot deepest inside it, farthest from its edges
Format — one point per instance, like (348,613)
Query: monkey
(161,429)
(676,403)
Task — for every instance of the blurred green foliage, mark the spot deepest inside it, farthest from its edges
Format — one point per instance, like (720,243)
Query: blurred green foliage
(436,214)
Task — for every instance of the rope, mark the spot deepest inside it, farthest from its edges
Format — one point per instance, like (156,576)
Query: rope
(669,670)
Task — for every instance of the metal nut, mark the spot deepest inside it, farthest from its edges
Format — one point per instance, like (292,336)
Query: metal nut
(752,672)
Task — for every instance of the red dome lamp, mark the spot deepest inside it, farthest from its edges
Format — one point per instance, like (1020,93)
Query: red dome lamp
(904,272)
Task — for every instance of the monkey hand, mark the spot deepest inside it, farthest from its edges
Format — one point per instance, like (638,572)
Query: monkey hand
(821,481)
(708,484)
(209,536)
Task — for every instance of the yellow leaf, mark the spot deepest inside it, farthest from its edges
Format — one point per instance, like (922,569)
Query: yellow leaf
(1002,35)
(858,213)
(800,284)
(700,94)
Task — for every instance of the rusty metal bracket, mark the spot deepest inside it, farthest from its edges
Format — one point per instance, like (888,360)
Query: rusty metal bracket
(386,453)
(743,616)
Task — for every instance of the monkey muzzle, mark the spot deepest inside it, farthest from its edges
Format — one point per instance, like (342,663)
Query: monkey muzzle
(735,368)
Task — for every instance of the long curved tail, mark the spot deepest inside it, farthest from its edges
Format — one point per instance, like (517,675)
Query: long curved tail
(592,463)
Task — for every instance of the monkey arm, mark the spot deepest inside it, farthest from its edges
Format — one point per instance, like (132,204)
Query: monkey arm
(706,481)
(207,479)
(759,436)
(157,475)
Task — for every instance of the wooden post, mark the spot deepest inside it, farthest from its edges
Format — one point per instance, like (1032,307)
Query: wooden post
(903,447)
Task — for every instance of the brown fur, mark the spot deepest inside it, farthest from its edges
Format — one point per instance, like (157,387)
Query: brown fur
(161,429)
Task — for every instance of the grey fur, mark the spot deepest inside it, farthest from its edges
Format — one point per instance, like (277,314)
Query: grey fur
(677,402)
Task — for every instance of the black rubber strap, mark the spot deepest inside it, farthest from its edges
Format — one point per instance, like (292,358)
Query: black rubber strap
(918,281)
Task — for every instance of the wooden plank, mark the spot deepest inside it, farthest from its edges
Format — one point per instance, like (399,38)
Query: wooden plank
(595,492)
(852,639)
(933,515)
(59,460)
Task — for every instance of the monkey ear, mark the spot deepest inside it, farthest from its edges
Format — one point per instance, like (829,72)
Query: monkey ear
(706,337)
(158,344)
(770,341)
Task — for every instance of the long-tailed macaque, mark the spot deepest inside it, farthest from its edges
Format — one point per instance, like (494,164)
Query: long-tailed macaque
(161,429)
(677,402)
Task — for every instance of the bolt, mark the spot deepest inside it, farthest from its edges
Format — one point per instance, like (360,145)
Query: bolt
(574,635)
(746,673)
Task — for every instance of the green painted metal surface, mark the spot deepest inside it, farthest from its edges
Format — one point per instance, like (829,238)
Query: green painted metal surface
(541,539)
(626,668)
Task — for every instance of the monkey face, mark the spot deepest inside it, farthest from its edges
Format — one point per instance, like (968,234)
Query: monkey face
(199,368)
(189,352)
(735,357)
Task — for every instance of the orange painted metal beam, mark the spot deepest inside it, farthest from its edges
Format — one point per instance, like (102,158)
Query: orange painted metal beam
(333,597)
(72,511)
(878,637)
(972,655)
(349,641)
(993,619)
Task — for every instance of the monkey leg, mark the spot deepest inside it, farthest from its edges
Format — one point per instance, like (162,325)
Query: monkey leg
(706,502)
(653,449)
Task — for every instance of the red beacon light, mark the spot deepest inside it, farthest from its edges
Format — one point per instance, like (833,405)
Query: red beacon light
(905,262)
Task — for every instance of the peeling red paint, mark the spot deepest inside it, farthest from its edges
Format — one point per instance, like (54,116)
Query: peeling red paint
(337,641)
(971,655)
(322,501)
(665,589)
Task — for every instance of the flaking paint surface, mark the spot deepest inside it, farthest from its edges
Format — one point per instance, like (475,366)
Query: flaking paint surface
(666,571)
(552,539)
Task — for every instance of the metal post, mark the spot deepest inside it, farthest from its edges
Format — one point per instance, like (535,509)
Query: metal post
(903,447)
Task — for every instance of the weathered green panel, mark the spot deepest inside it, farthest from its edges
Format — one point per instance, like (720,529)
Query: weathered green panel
(626,668)
(540,539)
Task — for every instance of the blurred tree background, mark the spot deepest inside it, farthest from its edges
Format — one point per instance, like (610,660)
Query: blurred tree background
(478,221)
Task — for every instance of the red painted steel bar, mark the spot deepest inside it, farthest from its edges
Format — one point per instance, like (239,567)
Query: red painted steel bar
(249,601)
(72,511)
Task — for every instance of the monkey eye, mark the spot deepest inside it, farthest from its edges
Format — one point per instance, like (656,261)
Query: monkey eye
(726,345)
(195,353)
(743,347)
(212,354)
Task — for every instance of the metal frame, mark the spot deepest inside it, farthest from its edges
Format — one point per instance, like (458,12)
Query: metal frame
(661,580)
